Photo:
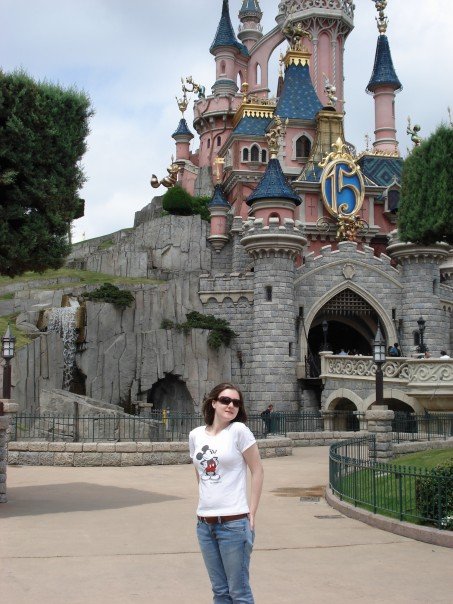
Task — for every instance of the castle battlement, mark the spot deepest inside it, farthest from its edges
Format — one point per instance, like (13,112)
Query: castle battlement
(235,286)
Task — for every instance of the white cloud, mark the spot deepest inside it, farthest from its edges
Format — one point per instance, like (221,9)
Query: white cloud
(129,56)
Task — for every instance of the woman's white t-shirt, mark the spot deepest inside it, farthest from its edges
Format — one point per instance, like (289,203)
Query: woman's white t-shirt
(222,469)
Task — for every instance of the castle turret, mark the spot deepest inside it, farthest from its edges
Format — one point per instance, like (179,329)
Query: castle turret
(226,50)
(384,85)
(218,208)
(274,247)
(420,276)
(182,135)
(250,30)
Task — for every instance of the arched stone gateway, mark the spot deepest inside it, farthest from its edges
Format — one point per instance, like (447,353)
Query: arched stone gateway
(343,322)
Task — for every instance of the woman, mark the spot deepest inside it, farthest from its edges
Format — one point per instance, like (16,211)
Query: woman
(221,452)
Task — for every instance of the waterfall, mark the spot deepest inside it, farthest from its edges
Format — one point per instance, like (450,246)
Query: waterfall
(63,321)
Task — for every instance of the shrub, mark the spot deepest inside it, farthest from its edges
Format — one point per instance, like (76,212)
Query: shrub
(167,324)
(434,495)
(220,330)
(177,201)
(111,294)
(200,207)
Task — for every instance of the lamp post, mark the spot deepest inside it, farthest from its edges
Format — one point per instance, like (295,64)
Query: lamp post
(379,359)
(421,330)
(8,346)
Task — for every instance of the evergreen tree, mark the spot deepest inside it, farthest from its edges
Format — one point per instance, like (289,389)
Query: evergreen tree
(42,140)
(177,201)
(425,213)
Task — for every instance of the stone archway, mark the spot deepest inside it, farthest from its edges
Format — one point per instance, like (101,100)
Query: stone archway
(352,315)
(170,393)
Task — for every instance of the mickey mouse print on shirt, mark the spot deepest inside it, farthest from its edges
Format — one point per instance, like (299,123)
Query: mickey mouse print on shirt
(209,462)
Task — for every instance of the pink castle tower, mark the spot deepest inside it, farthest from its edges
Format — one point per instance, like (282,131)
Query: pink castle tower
(384,84)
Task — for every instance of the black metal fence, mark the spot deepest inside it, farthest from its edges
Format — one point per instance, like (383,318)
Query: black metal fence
(157,426)
(430,426)
(408,493)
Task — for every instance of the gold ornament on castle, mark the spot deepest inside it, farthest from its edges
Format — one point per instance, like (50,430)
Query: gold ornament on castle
(275,136)
(168,181)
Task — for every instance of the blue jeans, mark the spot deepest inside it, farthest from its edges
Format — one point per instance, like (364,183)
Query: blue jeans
(226,550)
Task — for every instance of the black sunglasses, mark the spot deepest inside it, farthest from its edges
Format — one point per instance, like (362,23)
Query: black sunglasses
(226,400)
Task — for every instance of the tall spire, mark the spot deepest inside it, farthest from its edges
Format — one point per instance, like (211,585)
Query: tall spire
(383,85)
(225,35)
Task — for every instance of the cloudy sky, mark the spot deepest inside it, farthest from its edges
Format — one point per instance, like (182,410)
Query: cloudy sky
(129,56)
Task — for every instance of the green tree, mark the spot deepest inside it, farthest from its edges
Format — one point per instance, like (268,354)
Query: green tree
(43,129)
(425,212)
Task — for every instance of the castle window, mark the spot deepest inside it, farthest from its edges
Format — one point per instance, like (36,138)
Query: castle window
(290,351)
(269,293)
(222,68)
(255,153)
(264,156)
(219,141)
(275,215)
(209,143)
(303,147)
(245,154)
(258,73)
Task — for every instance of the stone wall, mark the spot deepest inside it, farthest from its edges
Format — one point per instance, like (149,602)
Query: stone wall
(169,243)
(230,297)
(119,454)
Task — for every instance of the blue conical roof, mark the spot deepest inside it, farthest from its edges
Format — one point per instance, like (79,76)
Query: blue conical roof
(298,99)
(225,35)
(250,6)
(273,185)
(182,128)
(218,199)
(383,71)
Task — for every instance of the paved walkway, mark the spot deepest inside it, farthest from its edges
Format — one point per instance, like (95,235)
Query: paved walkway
(126,535)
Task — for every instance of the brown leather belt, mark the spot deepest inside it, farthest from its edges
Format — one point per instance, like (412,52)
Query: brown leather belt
(220,519)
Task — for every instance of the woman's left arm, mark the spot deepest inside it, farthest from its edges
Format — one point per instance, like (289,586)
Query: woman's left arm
(253,461)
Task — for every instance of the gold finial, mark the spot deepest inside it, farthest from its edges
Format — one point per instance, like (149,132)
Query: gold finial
(275,136)
(219,161)
(382,21)
(183,102)
(413,131)
(244,90)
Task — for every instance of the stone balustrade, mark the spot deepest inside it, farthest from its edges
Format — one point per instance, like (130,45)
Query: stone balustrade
(429,381)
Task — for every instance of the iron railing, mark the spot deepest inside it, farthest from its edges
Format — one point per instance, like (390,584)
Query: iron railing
(430,426)
(408,493)
(157,426)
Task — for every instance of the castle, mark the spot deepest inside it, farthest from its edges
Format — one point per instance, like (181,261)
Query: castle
(301,254)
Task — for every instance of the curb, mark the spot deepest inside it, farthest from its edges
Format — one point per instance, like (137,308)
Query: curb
(404,529)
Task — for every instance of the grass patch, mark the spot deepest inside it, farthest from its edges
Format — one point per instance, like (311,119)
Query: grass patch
(21,338)
(106,244)
(391,492)
(425,459)
(8,296)
(78,276)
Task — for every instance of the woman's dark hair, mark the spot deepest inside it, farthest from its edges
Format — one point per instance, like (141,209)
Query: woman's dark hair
(208,409)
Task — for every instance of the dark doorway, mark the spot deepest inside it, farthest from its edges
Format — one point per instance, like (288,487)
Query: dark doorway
(171,393)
